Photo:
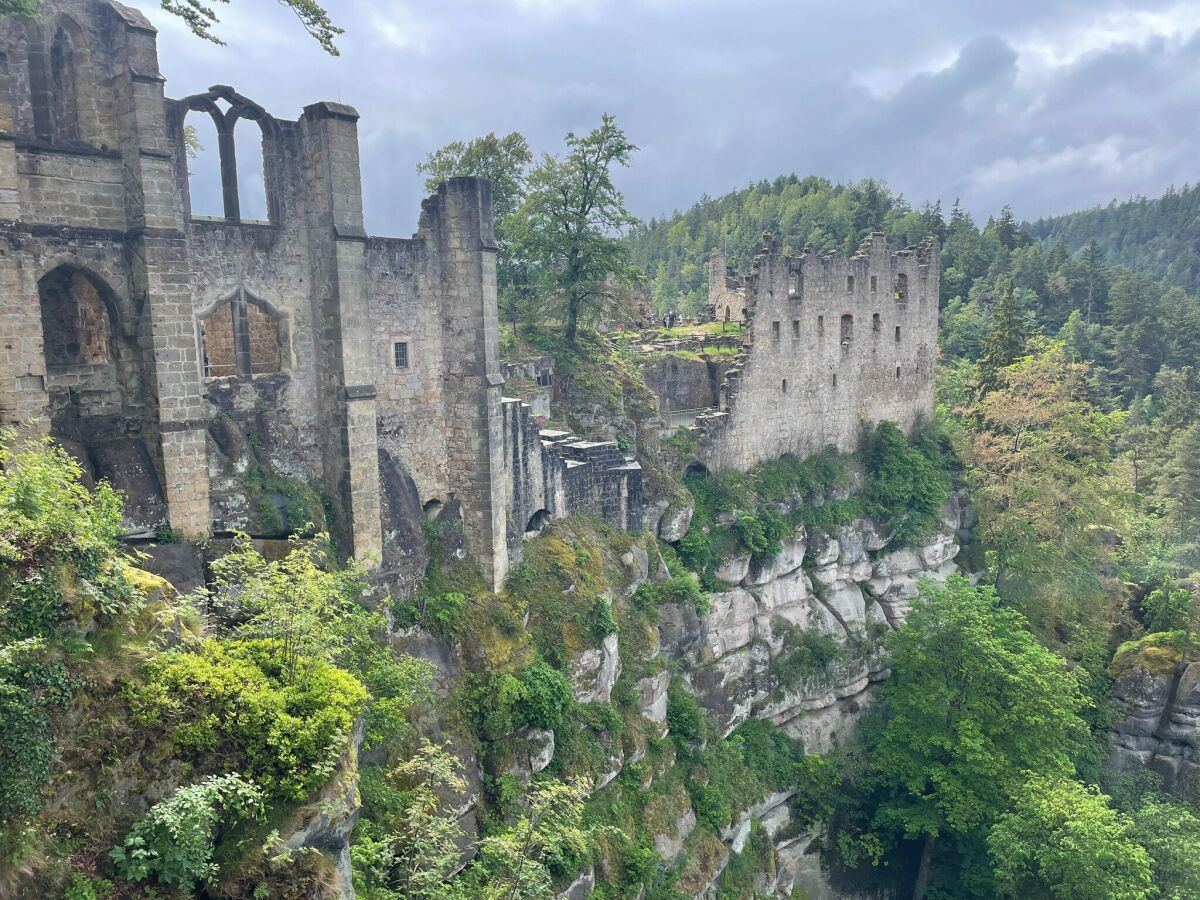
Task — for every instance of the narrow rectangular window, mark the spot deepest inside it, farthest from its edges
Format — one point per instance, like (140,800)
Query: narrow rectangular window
(793,284)
(897,373)
(835,379)
(775,332)
(897,334)
(874,284)
(849,284)
(820,324)
(795,328)
(400,354)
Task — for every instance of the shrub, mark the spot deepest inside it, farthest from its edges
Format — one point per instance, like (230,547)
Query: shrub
(805,654)
(545,698)
(174,841)
(1169,609)
(230,702)
(685,718)
(905,488)
(440,613)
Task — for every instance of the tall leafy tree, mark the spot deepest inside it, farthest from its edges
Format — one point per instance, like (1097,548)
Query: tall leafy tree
(502,160)
(1063,840)
(974,704)
(571,222)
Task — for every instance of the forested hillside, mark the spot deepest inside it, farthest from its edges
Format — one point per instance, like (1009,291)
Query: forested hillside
(1157,236)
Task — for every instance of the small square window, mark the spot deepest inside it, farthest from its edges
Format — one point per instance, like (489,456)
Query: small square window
(400,354)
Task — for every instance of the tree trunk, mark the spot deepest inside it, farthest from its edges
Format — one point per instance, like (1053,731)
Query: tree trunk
(923,869)
(572,318)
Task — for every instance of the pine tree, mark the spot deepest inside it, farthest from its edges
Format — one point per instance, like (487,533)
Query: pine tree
(1005,343)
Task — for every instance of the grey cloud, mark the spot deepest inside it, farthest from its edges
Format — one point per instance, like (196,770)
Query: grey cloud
(933,97)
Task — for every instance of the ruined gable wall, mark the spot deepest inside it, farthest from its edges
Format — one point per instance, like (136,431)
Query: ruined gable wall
(725,291)
(782,397)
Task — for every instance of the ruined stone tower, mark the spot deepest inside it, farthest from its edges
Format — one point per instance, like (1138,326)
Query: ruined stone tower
(831,343)
(214,368)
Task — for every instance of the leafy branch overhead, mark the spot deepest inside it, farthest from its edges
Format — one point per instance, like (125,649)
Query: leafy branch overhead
(201,18)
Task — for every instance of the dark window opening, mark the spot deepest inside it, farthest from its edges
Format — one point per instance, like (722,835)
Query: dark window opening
(545,379)
(537,522)
(876,322)
(902,288)
(63,80)
(820,324)
(793,283)
(835,379)
(874,284)
(849,284)
(775,332)
(432,509)
(785,385)
(795,328)
(400,354)
(897,334)
(897,373)
(847,333)
(76,325)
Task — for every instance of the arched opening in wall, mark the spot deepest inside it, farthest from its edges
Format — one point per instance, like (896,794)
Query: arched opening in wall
(432,509)
(847,332)
(251,170)
(902,288)
(202,151)
(243,336)
(76,318)
(64,86)
(696,470)
(537,522)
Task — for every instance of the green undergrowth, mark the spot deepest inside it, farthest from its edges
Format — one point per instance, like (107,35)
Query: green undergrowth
(898,482)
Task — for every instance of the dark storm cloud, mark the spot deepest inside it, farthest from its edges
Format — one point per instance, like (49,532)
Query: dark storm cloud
(1048,106)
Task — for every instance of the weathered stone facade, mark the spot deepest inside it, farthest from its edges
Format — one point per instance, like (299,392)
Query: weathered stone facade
(198,362)
(831,343)
(726,292)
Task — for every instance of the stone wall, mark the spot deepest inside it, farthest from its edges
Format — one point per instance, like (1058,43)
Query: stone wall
(553,474)
(222,353)
(831,343)
(684,382)
(726,292)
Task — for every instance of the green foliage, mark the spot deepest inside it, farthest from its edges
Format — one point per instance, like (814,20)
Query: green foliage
(545,696)
(501,160)
(20,7)
(905,488)
(441,614)
(1169,608)
(200,18)
(173,843)
(975,703)
(60,575)
(1063,840)
(246,705)
(685,719)
(1170,833)
(87,887)
(683,589)
(566,231)
(805,654)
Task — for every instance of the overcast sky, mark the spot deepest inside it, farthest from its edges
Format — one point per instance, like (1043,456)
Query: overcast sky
(1047,105)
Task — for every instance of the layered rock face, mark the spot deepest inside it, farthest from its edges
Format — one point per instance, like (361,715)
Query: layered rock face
(847,586)
(1158,723)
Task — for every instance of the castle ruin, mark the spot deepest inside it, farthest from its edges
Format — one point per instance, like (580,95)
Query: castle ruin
(198,362)
(830,344)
